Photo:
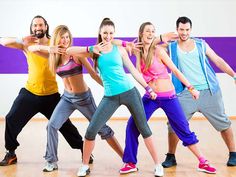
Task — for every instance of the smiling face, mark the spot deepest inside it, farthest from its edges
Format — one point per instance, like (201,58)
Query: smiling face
(65,40)
(148,34)
(107,33)
(38,27)
(184,31)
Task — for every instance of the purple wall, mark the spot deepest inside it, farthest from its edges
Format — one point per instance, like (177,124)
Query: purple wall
(12,61)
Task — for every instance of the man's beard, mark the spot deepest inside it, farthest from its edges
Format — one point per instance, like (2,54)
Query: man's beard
(39,34)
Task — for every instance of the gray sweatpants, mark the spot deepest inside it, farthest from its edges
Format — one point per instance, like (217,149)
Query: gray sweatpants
(84,102)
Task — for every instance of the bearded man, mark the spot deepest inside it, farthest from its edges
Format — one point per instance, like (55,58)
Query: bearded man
(40,94)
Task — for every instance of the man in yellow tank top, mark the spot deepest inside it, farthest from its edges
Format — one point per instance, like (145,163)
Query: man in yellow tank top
(40,94)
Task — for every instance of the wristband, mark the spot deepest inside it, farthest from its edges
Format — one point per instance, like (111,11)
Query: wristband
(190,88)
(91,49)
(234,77)
(161,38)
(148,89)
(19,40)
(124,44)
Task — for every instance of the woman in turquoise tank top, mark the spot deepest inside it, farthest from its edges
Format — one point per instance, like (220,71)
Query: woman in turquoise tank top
(77,94)
(118,90)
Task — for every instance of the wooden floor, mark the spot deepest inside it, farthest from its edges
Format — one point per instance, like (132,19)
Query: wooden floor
(106,164)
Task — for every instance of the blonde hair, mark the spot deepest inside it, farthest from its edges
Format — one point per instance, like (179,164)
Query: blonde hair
(55,59)
(140,55)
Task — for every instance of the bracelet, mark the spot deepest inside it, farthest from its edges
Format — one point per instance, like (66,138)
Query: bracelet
(19,40)
(91,49)
(234,77)
(124,44)
(190,88)
(161,38)
(148,89)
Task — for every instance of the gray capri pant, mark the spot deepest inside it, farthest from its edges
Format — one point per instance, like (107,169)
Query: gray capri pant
(109,104)
(69,102)
(211,106)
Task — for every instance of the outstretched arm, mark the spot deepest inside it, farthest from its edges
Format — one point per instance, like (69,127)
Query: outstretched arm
(12,42)
(91,71)
(168,62)
(86,51)
(219,62)
(137,76)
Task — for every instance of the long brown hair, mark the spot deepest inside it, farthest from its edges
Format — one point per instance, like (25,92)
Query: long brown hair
(55,59)
(105,22)
(140,55)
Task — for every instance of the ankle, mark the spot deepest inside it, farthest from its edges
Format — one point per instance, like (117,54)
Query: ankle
(11,152)
(202,159)
(170,154)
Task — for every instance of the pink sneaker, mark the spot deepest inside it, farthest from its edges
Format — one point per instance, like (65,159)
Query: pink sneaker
(205,167)
(128,168)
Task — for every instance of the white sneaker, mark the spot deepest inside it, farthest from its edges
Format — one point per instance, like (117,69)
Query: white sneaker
(50,167)
(83,170)
(159,171)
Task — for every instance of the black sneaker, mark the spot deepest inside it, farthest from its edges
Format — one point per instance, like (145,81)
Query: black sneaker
(232,159)
(9,159)
(91,159)
(170,161)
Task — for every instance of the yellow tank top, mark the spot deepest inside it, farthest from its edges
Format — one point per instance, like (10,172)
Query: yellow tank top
(40,79)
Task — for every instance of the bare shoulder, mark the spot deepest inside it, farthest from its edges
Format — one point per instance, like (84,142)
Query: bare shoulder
(160,50)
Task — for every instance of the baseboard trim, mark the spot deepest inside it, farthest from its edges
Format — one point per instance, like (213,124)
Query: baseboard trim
(160,118)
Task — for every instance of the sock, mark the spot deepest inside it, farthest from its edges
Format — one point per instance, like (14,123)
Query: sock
(202,159)
(11,152)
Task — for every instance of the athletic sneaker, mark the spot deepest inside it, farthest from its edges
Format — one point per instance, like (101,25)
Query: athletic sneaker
(232,159)
(170,161)
(91,159)
(83,171)
(159,171)
(9,159)
(128,168)
(205,167)
(50,167)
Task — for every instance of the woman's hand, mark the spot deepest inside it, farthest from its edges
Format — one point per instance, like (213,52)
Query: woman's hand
(97,49)
(153,95)
(133,46)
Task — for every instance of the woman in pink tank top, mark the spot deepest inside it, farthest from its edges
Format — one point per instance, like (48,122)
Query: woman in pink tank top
(152,62)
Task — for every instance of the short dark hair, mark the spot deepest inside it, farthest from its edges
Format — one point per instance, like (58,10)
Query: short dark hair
(183,20)
(45,22)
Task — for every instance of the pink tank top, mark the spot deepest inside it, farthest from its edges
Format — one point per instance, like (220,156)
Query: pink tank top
(157,70)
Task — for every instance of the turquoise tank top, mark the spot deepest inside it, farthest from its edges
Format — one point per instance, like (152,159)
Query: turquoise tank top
(115,80)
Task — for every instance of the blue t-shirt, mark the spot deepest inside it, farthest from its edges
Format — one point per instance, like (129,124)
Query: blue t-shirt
(190,66)
(115,80)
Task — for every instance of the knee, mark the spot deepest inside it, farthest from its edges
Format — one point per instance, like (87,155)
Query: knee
(90,134)
(106,133)
(52,126)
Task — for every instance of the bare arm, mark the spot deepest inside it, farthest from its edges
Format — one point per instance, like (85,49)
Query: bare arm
(137,76)
(12,42)
(78,51)
(39,48)
(219,62)
(86,51)
(91,71)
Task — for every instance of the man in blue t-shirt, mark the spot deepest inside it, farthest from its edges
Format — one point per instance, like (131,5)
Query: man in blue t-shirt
(191,56)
